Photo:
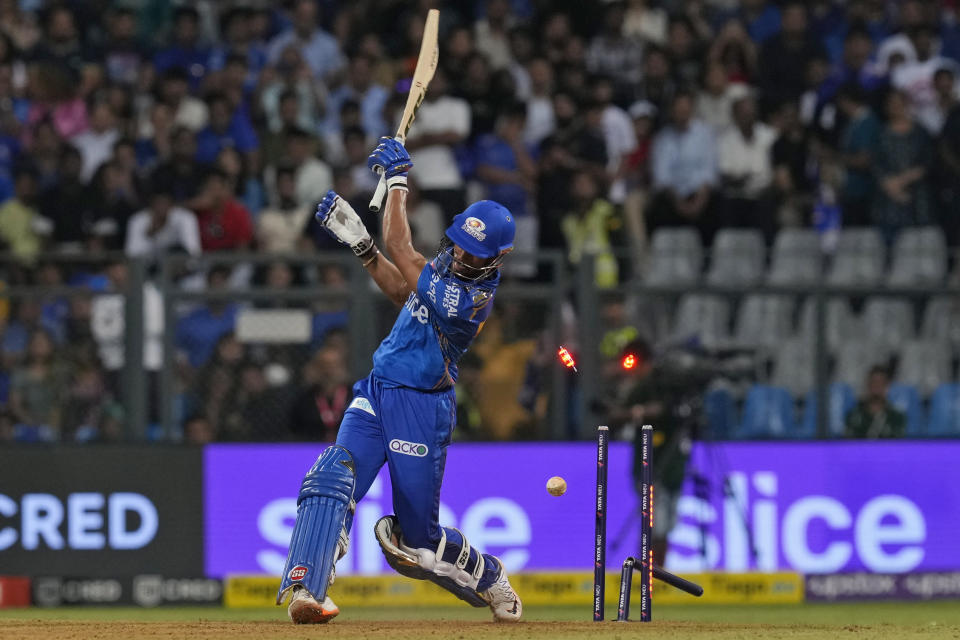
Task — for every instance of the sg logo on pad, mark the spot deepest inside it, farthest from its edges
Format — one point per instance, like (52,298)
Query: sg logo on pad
(299,572)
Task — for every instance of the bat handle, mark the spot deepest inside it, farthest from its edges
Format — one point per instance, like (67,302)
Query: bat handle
(376,202)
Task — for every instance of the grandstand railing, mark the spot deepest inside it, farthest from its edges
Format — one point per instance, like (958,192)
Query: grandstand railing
(540,310)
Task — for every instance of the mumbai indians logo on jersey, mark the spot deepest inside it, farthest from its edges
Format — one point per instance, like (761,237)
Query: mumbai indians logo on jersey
(408,448)
(475,227)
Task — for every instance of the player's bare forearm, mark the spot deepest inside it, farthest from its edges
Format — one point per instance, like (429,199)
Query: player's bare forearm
(398,239)
(389,279)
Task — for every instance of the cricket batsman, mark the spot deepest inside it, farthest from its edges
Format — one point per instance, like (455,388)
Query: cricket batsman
(403,413)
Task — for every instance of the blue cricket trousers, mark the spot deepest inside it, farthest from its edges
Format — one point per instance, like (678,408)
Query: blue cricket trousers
(409,430)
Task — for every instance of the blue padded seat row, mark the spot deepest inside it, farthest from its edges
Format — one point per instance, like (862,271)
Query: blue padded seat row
(769,412)
(945,411)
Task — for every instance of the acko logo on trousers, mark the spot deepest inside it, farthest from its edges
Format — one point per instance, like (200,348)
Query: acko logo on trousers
(408,448)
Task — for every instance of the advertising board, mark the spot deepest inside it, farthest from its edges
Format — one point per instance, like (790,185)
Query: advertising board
(101,512)
(809,508)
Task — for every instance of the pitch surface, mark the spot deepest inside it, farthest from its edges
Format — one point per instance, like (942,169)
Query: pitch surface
(866,620)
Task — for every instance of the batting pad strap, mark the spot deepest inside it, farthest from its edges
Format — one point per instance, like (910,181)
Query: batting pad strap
(319,535)
(459,576)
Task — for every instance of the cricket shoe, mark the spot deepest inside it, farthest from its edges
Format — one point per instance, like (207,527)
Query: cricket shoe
(503,600)
(304,608)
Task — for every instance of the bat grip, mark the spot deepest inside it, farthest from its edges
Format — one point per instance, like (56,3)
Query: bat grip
(376,202)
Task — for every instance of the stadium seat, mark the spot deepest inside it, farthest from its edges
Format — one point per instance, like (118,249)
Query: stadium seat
(919,258)
(854,359)
(768,412)
(34,433)
(720,410)
(764,320)
(841,399)
(796,258)
(858,259)
(842,325)
(705,318)
(945,411)
(924,364)
(651,315)
(676,257)
(889,321)
(738,258)
(794,368)
(907,399)
(941,321)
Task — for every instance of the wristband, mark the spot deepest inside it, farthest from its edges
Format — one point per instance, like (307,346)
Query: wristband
(397,182)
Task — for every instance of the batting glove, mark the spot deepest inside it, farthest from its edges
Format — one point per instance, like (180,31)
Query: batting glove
(340,220)
(393,161)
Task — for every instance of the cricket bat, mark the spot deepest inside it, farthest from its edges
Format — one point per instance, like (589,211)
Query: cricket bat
(426,66)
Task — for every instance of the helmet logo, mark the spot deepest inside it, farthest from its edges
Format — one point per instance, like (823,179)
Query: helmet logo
(475,227)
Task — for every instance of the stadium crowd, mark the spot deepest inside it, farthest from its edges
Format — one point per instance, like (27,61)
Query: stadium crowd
(155,127)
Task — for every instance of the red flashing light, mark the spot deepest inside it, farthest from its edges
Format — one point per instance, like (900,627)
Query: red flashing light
(566,358)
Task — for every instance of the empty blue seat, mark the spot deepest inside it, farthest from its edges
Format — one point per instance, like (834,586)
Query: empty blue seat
(33,433)
(720,410)
(906,399)
(768,413)
(945,411)
(841,399)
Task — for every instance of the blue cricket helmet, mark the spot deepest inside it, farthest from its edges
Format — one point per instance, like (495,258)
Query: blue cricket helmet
(484,229)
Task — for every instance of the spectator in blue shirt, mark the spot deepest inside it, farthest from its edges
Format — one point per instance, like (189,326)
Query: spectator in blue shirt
(320,49)
(503,163)
(508,171)
(228,128)
(360,88)
(761,17)
(198,333)
(235,26)
(684,161)
(186,52)
(855,66)
(9,152)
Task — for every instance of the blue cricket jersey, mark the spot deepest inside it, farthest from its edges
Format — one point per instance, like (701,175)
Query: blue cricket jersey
(433,330)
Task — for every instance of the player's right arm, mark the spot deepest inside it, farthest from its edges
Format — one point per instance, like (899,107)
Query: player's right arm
(392,160)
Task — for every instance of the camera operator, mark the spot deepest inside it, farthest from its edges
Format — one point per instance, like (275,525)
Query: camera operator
(643,392)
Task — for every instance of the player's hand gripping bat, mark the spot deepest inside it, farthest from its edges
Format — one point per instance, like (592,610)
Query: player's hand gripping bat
(426,66)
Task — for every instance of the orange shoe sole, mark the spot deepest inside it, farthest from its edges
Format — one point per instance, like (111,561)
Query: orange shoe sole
(306,614)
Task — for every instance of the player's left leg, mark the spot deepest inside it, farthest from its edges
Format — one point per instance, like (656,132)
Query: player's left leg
(417,433)
(339,478)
